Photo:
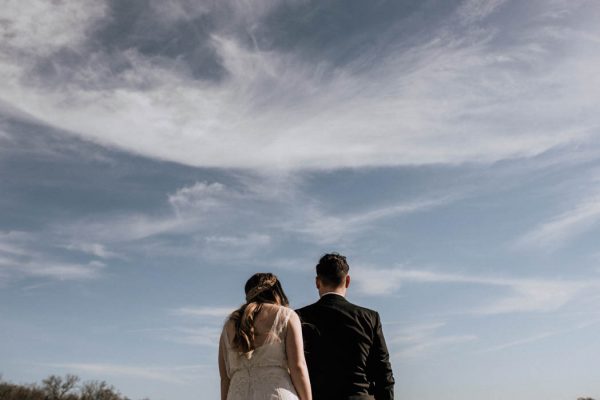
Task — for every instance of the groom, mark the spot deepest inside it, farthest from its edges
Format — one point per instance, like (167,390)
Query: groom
(345,350)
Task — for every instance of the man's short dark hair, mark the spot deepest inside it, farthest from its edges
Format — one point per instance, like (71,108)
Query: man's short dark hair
(332,269)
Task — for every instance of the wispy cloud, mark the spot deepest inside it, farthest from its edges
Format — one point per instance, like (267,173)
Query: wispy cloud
(235,247)
(475,10)
(201,214)
(563,227)
(199,336)
(62,271)
(8,247)
(535,296)
(177,374)
(28,30)
(201,197)
(424,339)
(524,294)
(52,270)
(196,326)
(96,249)
(20,257)
(198,207)
(233,221)
(220,312)
(424,99)
(328,228)
(538,337)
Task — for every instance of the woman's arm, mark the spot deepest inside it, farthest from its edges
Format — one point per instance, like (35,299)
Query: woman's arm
(223,370)
(295,355)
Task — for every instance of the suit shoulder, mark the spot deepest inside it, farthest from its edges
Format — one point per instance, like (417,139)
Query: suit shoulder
(365,311)
(305,309)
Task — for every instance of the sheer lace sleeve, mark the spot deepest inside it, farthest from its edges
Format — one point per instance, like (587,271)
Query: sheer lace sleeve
(282,323)
(225,344)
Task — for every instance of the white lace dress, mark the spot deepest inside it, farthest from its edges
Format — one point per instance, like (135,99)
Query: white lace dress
(265,374)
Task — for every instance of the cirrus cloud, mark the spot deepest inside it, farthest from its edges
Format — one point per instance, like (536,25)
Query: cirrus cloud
(420,103)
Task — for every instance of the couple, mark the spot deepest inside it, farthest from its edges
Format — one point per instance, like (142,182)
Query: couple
(262,354)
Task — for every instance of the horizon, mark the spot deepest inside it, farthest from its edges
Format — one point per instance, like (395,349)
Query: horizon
(155,154)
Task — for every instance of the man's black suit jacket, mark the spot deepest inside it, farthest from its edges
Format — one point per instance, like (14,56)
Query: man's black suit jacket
(345,351)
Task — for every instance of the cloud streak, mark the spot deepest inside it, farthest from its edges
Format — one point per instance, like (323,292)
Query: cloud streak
(421,340)
(524,295)
(538,337)
(419,104)
(219,312)
(583,217)
(94,249)
(329,228)
(234,221)
(20,258)
(176,375)
(202,327)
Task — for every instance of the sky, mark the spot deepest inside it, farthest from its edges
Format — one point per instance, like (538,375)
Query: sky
(154,154)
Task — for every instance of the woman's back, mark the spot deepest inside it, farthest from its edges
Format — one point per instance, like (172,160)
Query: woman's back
(263,372)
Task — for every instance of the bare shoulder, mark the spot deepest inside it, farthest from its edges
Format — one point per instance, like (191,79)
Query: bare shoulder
(294,318)
(271,309)
(271,306)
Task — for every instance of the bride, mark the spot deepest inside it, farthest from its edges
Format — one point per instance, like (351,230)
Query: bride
(261,353)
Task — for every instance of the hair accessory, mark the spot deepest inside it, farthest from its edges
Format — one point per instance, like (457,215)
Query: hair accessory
(261,287)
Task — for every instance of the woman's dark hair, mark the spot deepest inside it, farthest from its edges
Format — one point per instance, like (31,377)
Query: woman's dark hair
(332,269)
(261,288)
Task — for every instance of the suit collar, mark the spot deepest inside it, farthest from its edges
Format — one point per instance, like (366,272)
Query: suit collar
(332,298)
(333,293)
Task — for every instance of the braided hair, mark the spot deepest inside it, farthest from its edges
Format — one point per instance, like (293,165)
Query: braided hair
(261,288)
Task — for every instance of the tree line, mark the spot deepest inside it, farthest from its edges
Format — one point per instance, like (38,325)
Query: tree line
(56,387)
(70,387)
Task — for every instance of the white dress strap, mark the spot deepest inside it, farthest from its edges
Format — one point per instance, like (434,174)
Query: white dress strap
(282,322)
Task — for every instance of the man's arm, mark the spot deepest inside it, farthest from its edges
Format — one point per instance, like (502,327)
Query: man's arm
(379,368)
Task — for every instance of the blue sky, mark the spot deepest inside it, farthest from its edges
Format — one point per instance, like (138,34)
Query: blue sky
(155,154)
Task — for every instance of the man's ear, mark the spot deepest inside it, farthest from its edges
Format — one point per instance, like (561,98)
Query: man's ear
(347,281)
(317,282)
